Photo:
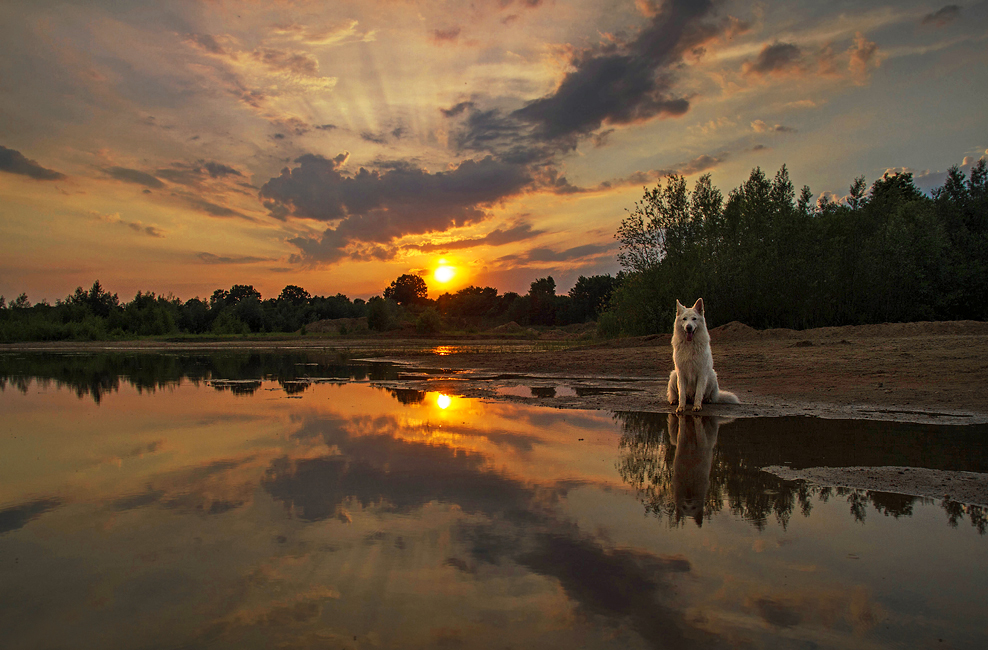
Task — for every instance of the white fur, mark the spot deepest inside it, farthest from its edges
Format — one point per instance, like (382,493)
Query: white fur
(693,379)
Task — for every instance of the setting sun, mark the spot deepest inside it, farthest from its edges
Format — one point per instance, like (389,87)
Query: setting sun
(445,273)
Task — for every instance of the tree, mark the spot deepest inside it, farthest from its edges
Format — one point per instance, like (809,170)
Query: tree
(591,296)
(542,308)
(407,289)
(295,295)
(239,292)
(382,314)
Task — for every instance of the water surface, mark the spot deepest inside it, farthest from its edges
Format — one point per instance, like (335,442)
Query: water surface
(288,500)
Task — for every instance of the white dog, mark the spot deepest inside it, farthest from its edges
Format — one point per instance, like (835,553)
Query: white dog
(693,379)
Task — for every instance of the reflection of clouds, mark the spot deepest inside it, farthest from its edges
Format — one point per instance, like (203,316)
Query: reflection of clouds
(509,522)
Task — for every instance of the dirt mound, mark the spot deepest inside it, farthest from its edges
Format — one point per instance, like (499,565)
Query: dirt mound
(508,328)
(733,331)
(737,331)
(334,325)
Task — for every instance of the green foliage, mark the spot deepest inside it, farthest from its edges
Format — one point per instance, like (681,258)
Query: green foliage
(407,290)
(590,296)
(429,322)
(768,259)
(542,305)
(295,295)
(382,314)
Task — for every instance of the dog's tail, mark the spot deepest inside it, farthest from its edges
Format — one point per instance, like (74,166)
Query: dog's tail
(725,397)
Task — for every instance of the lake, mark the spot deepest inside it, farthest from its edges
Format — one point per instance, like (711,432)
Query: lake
(312,501)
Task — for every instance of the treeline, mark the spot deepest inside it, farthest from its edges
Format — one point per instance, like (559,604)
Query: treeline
(768,258)
(96,314)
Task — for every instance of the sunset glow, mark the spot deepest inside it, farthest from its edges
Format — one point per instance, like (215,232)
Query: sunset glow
(445,273)
(185,147)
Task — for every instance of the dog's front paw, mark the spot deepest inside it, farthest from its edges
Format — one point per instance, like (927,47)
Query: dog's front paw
(698,406)
(681,408)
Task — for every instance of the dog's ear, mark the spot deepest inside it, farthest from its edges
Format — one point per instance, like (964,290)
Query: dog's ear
(698,305)
(679,307)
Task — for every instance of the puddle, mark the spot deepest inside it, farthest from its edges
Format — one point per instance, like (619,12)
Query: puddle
(247,501)
(541,392)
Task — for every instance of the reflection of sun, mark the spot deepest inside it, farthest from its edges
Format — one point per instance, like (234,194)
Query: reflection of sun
(443,401)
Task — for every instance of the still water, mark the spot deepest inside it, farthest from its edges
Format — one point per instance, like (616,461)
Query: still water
(289,501)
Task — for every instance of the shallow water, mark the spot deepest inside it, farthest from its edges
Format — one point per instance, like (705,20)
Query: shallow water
(278,500)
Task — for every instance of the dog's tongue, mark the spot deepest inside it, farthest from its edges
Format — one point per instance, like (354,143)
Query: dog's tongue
(689,336)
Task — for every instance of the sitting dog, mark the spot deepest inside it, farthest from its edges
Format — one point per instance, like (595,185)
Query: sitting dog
(693,378)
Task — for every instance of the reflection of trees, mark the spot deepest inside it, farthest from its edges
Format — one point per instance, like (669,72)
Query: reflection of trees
(98,374)
(648,463)
(408,395)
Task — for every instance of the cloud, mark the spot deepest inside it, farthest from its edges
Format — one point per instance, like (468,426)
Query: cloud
(943,16)
(136,226)
(195,173)
(296,63)
(217,170)
(214,209)
(209,258)
(456,110)
(616,83)
(14,162)
(862,53)
(205,42)
(497,237)
(18,516)
(134,176)
(543,254)
(775,59)
(760,126)
(448,35)
(625,84)
(378,206)
(928,180)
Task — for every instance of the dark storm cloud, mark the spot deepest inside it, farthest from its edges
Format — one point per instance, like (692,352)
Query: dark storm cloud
(377,206)
(498,237)
(14,162)
(625,84)
(774,59)
(134,176)
(942,16)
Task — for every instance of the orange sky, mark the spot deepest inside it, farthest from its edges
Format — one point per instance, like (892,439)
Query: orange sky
(185,147)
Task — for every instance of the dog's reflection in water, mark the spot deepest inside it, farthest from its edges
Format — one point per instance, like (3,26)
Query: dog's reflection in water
(694,437)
